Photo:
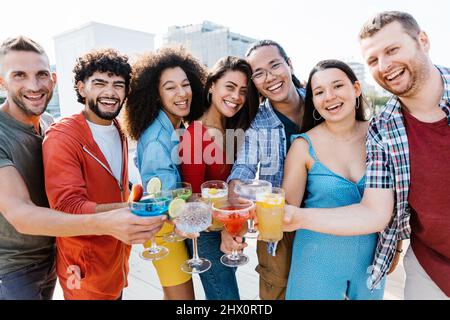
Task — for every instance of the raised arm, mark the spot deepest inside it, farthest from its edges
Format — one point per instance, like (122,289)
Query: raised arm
(371,215)
(247,159)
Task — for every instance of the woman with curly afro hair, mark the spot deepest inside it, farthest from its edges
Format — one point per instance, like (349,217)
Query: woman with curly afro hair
(164,87)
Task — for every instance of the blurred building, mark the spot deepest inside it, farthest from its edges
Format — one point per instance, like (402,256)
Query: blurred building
(53,106)
(73,43)
(208,41)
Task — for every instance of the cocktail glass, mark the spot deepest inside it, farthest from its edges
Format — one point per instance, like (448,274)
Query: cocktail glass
(181,190)
(270,213)
(194,217)
(152,205)
(233,213)
(212,192)
(249,189)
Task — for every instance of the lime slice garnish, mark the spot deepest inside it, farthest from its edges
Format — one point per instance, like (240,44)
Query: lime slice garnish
(175,206)
(213,191)
(154,185)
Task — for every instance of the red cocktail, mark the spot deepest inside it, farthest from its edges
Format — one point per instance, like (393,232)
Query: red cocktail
(233,214)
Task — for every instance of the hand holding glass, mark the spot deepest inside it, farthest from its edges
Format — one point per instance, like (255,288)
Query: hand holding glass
(233,214)
(151,206)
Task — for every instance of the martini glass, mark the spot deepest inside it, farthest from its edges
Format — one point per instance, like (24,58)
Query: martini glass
(250,190)
(194,217)
(181,190)
(233,214)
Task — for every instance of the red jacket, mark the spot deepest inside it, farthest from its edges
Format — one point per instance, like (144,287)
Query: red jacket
(77,178)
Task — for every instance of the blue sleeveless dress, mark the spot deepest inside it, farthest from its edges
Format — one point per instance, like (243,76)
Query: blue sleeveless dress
(324,266)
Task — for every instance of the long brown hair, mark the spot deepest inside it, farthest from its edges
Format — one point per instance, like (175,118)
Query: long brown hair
(308,120)
(245,116)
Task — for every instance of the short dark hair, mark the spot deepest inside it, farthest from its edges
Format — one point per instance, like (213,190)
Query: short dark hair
(20,43)
(101,60)
(267,43)
(308,120)
(377,22)
(245,116)
(144,103)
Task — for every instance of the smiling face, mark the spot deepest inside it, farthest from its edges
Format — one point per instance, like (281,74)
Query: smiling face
(229,93)
(175,93)
(272,75)
(397,62)
(28,81)
(104,93)
(334,95)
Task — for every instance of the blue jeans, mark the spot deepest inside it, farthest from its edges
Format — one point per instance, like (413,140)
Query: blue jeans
(34,282)
(219,282)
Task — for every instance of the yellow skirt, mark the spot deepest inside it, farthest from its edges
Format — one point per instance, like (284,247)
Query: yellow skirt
(169,268)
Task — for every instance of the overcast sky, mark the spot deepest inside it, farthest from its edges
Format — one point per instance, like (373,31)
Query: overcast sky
(309,30)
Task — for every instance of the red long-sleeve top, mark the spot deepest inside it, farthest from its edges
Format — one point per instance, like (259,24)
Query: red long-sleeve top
(202,158)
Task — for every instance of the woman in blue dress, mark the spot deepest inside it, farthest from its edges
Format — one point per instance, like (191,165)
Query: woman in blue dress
(325,168)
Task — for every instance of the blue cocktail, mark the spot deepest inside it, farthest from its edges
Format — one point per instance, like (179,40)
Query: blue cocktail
(151,206)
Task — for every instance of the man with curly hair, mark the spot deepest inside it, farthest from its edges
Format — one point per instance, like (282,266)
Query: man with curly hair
(85,164)
(27,226)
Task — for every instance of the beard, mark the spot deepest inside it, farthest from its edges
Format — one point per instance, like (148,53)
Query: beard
(93,105)
(418,70)
(21,103)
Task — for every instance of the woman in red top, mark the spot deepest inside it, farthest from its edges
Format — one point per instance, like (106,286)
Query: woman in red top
(208,150)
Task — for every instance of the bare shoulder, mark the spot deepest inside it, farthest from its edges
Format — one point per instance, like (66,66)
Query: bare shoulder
(299,152)
(299,146)
(364,128)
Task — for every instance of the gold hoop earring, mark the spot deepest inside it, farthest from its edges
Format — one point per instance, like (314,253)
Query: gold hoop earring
(314,115)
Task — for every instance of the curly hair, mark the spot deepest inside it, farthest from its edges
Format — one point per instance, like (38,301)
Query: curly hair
(102,60)
(143,104)
(245,116)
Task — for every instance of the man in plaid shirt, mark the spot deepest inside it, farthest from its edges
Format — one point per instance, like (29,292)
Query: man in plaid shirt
(408,152)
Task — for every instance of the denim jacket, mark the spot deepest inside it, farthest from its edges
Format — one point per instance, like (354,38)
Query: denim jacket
(157,153)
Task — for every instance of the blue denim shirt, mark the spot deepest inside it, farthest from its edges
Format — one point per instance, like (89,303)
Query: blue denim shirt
(157,153)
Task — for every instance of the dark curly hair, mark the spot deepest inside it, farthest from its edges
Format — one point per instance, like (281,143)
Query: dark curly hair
(143,104)
(101,60)
(245,116)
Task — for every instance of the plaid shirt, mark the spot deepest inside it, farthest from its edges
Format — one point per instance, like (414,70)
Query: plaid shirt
(264,148)
(388,167)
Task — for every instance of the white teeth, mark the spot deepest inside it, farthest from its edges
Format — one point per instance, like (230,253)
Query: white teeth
(34,97)
(275,87)
(108,101)
(393,75)
(181,104)
(334,106)
(230,104)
